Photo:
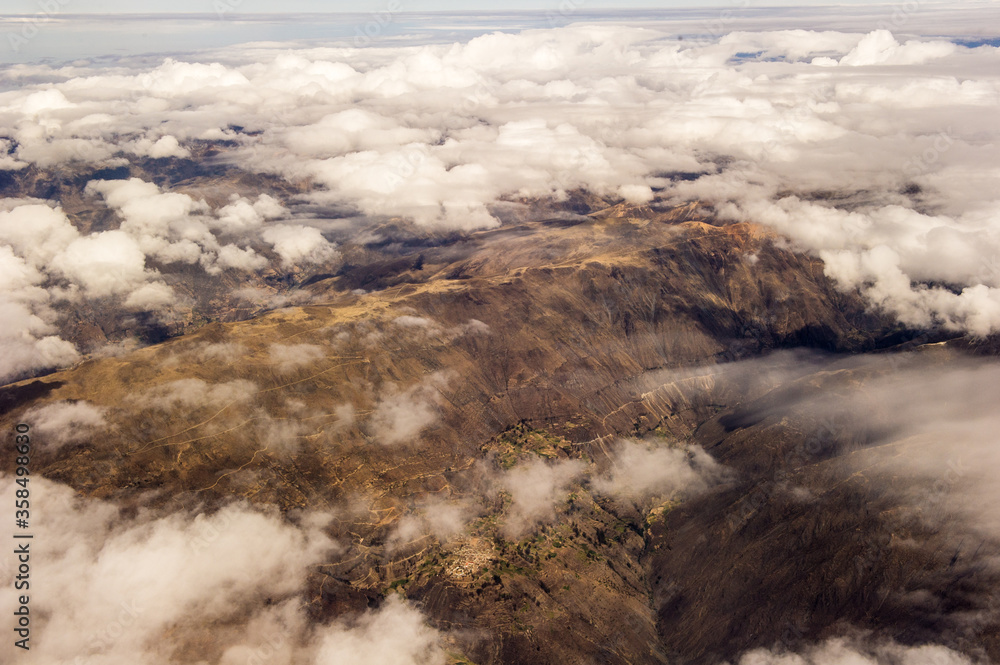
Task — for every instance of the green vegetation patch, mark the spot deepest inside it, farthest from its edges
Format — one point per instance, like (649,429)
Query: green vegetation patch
(522,440)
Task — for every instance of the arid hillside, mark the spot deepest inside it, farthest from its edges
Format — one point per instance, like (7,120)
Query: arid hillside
(588,439)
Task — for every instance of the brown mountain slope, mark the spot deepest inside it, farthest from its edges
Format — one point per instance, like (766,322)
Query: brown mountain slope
(543,340)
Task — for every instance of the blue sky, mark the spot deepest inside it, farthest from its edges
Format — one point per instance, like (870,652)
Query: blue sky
(286,6)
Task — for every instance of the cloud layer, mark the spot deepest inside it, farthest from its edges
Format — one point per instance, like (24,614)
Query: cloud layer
(113,587)
(840,651)
(877,154)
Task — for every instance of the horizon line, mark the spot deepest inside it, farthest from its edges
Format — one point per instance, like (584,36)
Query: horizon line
(476,12)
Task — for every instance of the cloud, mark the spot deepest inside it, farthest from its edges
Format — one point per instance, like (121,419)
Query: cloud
(345,414)
(36,232)
(919,427)
(176,228)
(880,48)
(280,436)
(841,651)
(435,517)
(271,299)
(104,264)
(609,108)
(45,261)
(940,423)
(27,342)
(424,327)
(535,487)
(297,244)
(289,357)
(165,146)
(195,394)
(241,215)
(153,297)
(395,634)
(400,415)
(117,588)
(225,353)
(61,423)
(407,321)
(32,235)
(873,152)
(913,432)
(148,213)
(639,471)
(48,100)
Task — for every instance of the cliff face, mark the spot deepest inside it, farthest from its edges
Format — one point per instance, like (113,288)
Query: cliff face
(425,376)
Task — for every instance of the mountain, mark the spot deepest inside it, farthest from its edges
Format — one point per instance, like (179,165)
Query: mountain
(480,413)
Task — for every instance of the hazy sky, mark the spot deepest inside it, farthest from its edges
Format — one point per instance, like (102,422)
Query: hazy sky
(285,6)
